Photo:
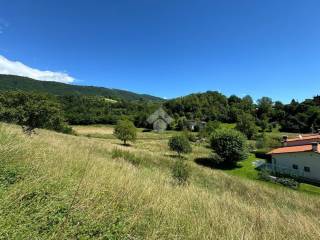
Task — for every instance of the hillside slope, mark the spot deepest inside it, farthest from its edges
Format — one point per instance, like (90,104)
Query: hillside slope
(11,82)
(55,186)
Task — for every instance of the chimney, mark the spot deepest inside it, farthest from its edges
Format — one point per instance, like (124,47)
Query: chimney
(315,146)
(284,140)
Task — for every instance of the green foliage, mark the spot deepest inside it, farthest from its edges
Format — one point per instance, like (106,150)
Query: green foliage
(182,124)
(230,145)
(246,125)
(204,106)
(126,155)
(97,110)
(210,127)
(180,172)
(287,182)
(125,131)
(264,106)
(264,175)
(180,144)
(12,83)
(268,142)
(32,111)
(190,136)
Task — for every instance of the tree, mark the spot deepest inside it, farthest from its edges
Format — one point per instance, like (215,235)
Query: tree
(246,125)
(182,124)
(125,131)
(31,111)
(230,145)
(264,106)
(180,144)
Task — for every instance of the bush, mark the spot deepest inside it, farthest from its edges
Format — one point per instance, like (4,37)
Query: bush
(180,172)
(125,131)
(264,175)
(230,145)
(190,136)
(210,127)
(180,144)
(288,182)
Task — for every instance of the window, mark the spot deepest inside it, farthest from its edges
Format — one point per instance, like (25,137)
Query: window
(294,166)
(307,169)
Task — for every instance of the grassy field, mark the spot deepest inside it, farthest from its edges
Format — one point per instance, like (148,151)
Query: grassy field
(56,186)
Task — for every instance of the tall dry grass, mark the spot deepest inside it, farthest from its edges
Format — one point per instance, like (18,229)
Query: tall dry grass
(70,187)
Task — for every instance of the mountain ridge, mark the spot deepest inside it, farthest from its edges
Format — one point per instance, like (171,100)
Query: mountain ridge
(13,82)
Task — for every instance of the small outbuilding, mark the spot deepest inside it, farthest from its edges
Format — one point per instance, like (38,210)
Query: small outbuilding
(160,120)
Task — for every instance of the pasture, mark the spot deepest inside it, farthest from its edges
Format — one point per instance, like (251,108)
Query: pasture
(58,186)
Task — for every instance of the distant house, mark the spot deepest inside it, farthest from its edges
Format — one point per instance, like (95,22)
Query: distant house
(299,157)
(159,120)
(196,125)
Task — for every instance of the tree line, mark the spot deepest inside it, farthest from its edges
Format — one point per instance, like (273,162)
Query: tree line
(250,116)
(57,112)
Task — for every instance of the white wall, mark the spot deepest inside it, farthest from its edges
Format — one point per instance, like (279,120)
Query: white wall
(303,159)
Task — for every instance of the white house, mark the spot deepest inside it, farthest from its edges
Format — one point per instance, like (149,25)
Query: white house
(299,157)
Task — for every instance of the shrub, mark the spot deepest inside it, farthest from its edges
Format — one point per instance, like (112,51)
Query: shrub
(180,144)
(230,145)
(210,127)
(125,131)
(264,175)
(288,182)
(180,172)
(190,136)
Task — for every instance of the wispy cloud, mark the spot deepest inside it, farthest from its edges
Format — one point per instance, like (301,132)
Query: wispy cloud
(3,25)
(17,68)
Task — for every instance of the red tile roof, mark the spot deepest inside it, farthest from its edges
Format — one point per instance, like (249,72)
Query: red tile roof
(294,149)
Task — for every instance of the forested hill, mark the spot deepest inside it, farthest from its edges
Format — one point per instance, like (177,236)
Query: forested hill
(11,82)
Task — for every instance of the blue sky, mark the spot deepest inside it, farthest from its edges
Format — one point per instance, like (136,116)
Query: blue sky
(167,48)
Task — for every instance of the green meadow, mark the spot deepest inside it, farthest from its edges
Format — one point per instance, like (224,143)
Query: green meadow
(58,186)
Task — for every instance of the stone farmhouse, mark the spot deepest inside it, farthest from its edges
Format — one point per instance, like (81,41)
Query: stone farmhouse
(160,120)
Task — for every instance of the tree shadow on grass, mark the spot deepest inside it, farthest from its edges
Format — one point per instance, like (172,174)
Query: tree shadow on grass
(124,145)
(210,163)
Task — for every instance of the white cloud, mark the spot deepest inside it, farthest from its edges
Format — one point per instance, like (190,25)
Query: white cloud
(20,69)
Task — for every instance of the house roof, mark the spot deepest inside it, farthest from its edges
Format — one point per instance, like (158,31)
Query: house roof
(303,137)
(294,149)
(159,114)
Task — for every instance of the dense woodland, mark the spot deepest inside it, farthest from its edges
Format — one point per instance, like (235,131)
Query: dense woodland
(250,117)
(12,83)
